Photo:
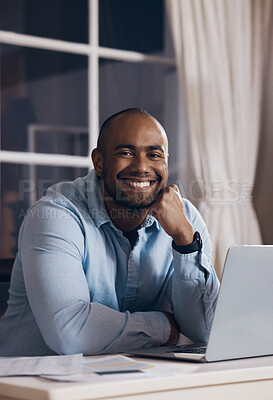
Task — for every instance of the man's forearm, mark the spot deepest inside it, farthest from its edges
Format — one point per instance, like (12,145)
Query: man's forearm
(193,295)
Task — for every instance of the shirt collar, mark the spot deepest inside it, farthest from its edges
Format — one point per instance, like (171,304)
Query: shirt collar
(149,221)
(97,207)
(96,204)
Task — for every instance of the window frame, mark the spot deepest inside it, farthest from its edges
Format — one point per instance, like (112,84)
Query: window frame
(94,52)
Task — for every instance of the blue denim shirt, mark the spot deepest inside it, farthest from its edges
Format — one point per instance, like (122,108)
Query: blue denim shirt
(78,286)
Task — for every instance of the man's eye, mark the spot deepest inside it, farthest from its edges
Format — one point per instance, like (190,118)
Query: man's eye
(125,153)
(155,155)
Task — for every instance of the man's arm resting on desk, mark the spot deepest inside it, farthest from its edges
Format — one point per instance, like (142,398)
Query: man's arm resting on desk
(59,297)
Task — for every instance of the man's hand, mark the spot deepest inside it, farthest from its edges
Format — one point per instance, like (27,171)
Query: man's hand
(169,210)
(174,335)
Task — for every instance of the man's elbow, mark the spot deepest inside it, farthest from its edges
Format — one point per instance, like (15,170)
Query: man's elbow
(65,344)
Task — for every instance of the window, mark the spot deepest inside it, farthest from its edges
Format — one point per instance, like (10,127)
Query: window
(66,65)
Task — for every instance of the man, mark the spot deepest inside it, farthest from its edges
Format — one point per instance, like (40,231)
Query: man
(99,257)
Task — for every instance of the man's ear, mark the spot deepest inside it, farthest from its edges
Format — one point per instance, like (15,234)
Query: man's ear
(97,159)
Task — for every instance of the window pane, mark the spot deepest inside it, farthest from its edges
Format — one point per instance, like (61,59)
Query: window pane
(124,85)
(56,19)
(132,25)
(21,185)
(43,101)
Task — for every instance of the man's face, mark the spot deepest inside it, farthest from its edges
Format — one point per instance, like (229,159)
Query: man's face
(135,168)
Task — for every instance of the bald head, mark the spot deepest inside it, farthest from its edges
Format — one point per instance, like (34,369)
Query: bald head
(105,130)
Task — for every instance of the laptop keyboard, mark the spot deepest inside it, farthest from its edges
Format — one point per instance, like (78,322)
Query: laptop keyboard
(194,350)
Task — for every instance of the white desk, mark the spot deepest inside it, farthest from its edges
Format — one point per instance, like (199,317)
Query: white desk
(249,379)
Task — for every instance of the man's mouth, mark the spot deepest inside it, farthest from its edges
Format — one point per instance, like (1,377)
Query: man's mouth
(138,184)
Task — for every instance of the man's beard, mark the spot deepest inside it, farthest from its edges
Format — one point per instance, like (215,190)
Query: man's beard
(139,201)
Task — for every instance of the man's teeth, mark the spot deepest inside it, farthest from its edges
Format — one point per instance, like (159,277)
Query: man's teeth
(139,184)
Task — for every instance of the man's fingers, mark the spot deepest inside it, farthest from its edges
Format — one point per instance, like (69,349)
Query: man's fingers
(175,187)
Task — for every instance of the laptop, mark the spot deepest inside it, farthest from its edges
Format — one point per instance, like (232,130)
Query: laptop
(243,319)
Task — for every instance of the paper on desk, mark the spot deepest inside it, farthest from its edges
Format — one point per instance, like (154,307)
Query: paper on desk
(152,369)
(57,365)
(114,364)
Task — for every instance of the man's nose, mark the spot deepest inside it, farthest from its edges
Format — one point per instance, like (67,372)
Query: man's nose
(140,163)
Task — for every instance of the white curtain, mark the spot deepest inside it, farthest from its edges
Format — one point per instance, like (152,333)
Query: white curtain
(220,50)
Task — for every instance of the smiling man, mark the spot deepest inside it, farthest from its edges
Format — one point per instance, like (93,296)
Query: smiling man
(115,261)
